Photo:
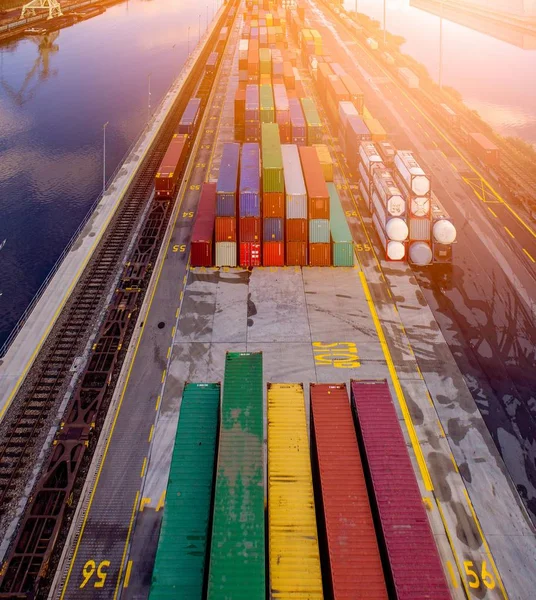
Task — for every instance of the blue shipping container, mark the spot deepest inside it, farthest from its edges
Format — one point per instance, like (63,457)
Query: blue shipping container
(227,186)
(356,132)
(297,122)
(252,102)
(189,116)
(273,229)
(249,198)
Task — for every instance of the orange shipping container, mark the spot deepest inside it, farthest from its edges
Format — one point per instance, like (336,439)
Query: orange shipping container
(319,255)
(317,191)
(273,205)
(297,254)
(225,229)
(297,230)
(273,254)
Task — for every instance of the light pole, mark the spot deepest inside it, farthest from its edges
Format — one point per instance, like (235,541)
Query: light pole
(384,19)
(188,40)
(104,157)
(199,30)
(207,17)
(441,46)
(148,97)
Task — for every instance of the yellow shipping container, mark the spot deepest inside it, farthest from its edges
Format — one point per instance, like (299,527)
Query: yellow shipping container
(306,35)
(317,38)
(254,23)
(325,160)
(377,132)
(269,19)
(293,540)
(366,113)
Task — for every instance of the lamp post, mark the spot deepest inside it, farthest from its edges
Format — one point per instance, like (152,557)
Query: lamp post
(148,97)
(384,19)
(199,30)
(207,18)
(104,157)
(188,40)
(441,47)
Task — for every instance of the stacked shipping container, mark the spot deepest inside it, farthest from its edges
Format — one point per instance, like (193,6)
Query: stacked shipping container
(226,203)
(249,206)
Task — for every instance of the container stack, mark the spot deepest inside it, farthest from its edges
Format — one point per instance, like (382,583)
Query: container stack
(273,199)
(369,159)
(282,112)
(342,243)
(319,249)
(326,161)
(239,115)
(201,248)
(252,127)
(416,184)
(312,122)
(226,202)
(267,107)
(296,222)
(297,123)
(249,206)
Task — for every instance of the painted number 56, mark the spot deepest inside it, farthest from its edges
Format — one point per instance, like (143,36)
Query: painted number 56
(471,571)
(90,568)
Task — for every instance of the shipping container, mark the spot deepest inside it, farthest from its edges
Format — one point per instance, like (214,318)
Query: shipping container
(292,534)
(416,181)
(239,113)
(356,132)
(408,77)
(319,255)
(296,230)
(265,60)
(250,254)
(443,229)
(326,161)
(243,48)
(272,160)
(298,85)
(377,132)
(171,166)
(212,64)
(282,112)
(397,499)
(267,106)
(317,192)
(181,556)
(337,70)
(295,191)
(346,525)
(296,254)
(297,123)
(250,229)
(420,229)
(225,254)
(389,193)
(324,71)
(273,229)
(396,228)
(227,186)
(394,250)
(357,97)
(319,231)
(336,92)
(346,110)
(252,103)
(313,122)
(341,237)
(225,229)
(253,60)
(273,205)
(420,253)
(190,116)
(201,250)
(387,152)
(449,115)
(237,557)
(317,39)
(273,254)
(485,150)
(288,75)
(249,198)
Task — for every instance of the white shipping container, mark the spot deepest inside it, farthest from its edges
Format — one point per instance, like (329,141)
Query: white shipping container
(420,229)
(393,250)
(226,254)
(372,43)
(387,190)
(295,190)
(369,154)
(417,181)
(420,253)
(408,77)
(243,46)
(395,227)
(346,110)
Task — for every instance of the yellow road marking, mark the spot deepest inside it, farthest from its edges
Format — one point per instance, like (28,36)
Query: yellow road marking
(509,232)
(492,212)
(129,533)
(164,375)
(143,467)
(485,543)
(398,388)
(177,312)
(452,575)
(174,329)
(454,166)
(145,501)
(181,295)
(526,252)
(158,398)
(168,352)
(151,433)
(127,574)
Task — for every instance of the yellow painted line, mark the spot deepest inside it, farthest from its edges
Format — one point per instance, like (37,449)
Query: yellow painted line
(127,574)
(485,544)
(526,252)
(435,143)
(452,575)
(185,278)
(168,352)
(158,402)
(509,232)
(454,166)
(146,501)
(177,312)
(181,295)
(164,375)
(398,388)
(173,331)
(129,533)
(454,462)
(151,433)
(492,212)
(143,467)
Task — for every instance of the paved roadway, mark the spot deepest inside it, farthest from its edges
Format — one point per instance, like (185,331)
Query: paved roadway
(486,309)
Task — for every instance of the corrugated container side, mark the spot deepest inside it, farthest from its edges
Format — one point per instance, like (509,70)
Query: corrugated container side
(237,561)
(398,500)
(319,255)
(267,107)
(201,250)
(252,103)
(346,524)
(319,231)
(420,229)
(292,533)
(250,229)
(273,229)
(317,192)
(273,205)
(180,558)
(227,185)
(272,159)
(325,160)
(273,254)
(225,254)
(250,254)
(225,229)
(296,193)
(296,230)
(296,254)
(343,245)
(189,116)
(250,181)
(171,166)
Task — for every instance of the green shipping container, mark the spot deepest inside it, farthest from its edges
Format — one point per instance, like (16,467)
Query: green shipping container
(267,103)
(182,553)
(237,560)
(314,124)
(319,231)
(343,243)
(265,60)
(272,159)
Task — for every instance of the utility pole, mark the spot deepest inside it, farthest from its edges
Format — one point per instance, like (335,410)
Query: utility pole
(188,40)
(149,97)
(441,46)
(384,19)
(104,157)
(207,17)
(199,30)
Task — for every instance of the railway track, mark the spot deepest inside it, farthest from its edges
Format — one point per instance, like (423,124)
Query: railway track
(32,554)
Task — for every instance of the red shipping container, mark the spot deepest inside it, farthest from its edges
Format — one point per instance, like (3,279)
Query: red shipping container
(296,230)
(273,254)
(398,501)
(319,255)
(317,191)
(253,60)
(250,254)
(273,204)
(225,229)
(296,254)
(171,166)
(288,75)
(346,527)
(203,229)
(250,229)
(240,106)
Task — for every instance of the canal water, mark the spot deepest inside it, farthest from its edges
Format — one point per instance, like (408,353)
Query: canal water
(495,78)
(56,93)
